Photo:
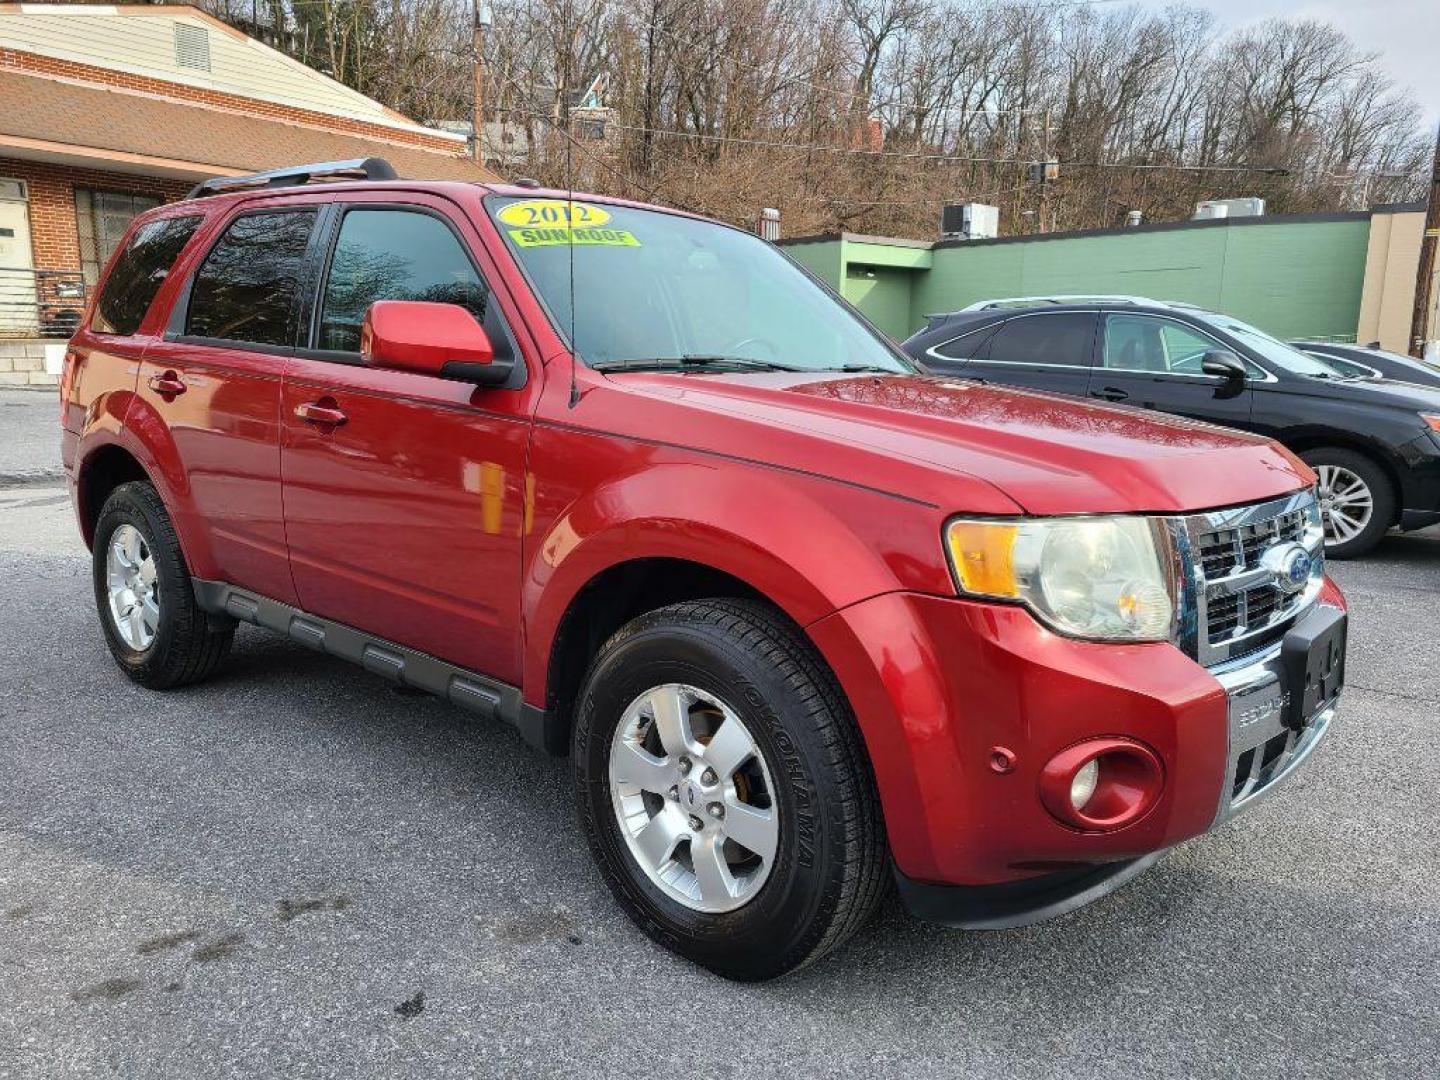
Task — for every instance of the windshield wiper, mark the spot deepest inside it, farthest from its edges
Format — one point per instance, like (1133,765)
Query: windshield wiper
(691,362)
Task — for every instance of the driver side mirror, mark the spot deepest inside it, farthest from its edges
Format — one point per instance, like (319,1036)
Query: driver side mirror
(432,339)
(1223,364)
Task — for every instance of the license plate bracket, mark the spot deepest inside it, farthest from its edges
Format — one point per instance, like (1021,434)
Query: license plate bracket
(1312,657)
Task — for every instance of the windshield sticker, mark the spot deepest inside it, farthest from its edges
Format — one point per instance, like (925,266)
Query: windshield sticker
(591,236)
(554,213)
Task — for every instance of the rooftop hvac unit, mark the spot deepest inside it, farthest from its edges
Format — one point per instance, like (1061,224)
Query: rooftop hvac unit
(1229,208)
(970,221)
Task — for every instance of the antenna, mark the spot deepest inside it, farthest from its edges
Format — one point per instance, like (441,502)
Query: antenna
(569,209)
(570,238)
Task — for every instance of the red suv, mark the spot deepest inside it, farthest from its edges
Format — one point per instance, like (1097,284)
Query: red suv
(806,620)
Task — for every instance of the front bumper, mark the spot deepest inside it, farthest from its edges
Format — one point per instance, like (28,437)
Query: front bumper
(939,685)
(1420,482)
(1264,748)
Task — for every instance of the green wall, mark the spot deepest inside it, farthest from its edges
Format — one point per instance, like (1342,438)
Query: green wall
(821,258)
(883,294)
(1293,277)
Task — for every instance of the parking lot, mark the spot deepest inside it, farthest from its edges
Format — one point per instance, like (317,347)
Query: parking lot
(296,870)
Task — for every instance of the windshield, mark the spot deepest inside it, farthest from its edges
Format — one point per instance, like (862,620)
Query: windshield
(1273,349)
(655,289)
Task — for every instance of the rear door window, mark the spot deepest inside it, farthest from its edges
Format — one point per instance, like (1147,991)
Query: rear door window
(1064,339)
(246,289)
(394,255)
(139,272)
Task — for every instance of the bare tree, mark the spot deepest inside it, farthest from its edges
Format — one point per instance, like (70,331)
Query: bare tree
(871,114)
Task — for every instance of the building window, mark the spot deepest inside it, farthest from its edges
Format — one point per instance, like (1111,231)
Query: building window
(101,219)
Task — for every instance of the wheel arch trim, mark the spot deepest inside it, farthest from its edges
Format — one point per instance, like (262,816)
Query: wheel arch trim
(1373,452)
(799,556)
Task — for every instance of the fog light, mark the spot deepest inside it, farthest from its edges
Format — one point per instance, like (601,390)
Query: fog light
(1083,786)
(1102,784)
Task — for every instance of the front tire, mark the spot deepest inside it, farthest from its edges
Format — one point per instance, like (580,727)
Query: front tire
(722,784)
(154,628)
(1357,500)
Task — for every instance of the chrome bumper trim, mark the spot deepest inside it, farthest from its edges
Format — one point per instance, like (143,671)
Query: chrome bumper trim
(1256,696)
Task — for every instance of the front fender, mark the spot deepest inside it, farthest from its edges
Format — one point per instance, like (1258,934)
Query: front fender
(810,545)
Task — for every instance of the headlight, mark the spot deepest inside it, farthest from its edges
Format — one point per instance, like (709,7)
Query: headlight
(1102,577)
(1432,420)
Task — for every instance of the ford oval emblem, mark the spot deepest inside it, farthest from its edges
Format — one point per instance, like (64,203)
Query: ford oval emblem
(1290,564)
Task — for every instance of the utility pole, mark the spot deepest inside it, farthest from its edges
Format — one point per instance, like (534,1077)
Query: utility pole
(1045,176)
(1043,172)
(483,19)
(1425,272)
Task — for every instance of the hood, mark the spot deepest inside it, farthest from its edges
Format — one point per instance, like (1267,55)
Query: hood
(919,436)
(1412,397)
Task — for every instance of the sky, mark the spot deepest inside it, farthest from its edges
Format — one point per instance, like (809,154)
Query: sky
(1406,33)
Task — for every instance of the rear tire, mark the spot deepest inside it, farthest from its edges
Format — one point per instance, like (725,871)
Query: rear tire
(1357,500)
(156,631)
(751,690)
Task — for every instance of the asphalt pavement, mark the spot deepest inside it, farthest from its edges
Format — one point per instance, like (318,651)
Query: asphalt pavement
(294,870)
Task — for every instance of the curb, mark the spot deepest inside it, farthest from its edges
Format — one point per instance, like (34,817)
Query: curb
(31,477)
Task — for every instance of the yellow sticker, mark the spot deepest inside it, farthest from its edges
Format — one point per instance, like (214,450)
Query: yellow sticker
(579,237)
(554,213)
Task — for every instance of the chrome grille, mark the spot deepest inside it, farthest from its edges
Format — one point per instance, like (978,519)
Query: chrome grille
(1223,551)
(1240,603)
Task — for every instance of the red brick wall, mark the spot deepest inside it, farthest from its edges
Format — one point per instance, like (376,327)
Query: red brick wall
(45,65)
(53,233)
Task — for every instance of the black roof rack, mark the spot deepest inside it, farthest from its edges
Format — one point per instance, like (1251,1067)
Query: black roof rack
(371,168)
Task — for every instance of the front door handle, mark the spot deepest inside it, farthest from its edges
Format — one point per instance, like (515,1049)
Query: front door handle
(1109,393)
(324,413)
(168,385)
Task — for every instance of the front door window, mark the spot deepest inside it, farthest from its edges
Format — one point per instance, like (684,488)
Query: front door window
(1144,344)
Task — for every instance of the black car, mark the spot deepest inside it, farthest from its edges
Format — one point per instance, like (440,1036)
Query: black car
(1373,362)
(1375,445)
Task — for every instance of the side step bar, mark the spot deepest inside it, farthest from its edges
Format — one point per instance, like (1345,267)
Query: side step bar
(467,689)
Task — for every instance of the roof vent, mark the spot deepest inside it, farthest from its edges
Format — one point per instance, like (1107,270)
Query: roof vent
(192,46)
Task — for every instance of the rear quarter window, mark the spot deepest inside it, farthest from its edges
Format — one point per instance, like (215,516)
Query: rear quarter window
(139,272)
(966,345)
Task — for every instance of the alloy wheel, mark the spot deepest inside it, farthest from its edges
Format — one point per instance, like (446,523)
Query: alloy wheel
(1346,503)
(134,593)
(692,794)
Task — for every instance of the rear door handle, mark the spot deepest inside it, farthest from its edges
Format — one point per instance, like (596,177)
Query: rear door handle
(1109,393)
(324,412)
(168,385)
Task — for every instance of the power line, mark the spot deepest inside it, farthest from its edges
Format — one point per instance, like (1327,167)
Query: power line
(940,199)
(1276,170)
(652,192)
(939,157)
(736,139)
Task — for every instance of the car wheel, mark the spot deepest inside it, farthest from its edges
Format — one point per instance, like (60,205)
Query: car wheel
(1357,500)
(724,789)
(155,630)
